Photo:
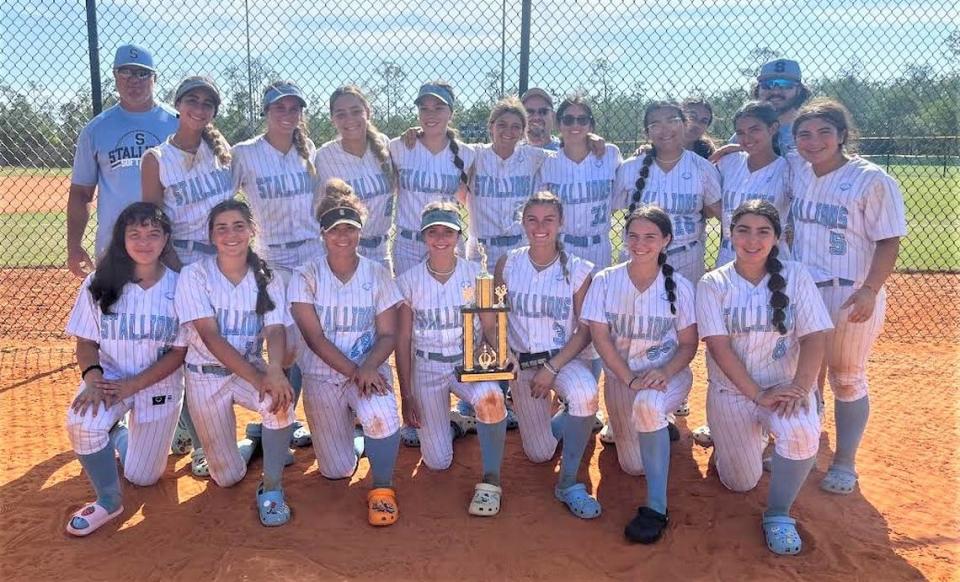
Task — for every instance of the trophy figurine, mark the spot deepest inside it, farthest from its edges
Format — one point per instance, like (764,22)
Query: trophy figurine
(488,363)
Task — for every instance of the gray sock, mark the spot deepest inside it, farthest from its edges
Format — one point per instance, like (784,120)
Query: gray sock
(655,449)
(557,423)
(492,438)
(101,469)
(576,433)
(276,447)
(382,454)
(786,478)
(851,418)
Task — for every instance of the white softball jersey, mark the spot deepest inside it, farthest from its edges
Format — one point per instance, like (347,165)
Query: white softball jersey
(542,314)
(586,190)
(366,176)
(204,291)
(498,190)
(425,177)
(347,311)
(728,304)
(839,217)
(643,330)
(739,184)
(437,320)
(192,185)
(280,190)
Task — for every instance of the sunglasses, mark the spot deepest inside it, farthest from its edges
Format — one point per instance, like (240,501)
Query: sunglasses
(778,84)
(542,112)
(134,74)
(576,119)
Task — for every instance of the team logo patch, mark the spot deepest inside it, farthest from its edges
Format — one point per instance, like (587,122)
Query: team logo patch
(656,352)
(158,400)
(846,186)
(686,175)
(780,349)
(168,295)
(367,286)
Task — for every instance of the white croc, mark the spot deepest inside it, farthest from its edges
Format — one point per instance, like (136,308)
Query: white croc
(486,500)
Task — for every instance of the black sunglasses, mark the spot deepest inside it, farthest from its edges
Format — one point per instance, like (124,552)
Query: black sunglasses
(576,119)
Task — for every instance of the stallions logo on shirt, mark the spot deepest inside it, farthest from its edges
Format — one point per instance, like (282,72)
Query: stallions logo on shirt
(130,148)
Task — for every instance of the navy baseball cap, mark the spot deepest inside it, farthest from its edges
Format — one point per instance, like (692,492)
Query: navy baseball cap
(780,69)
(278,91)
(131,55)
(198,82)
(438,91)
(448,218)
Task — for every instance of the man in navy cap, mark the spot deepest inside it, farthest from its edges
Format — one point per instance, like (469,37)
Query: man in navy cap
(107,158)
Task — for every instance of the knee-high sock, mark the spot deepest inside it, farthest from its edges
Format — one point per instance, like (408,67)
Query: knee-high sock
(275,443)
(786,478)
(851,420)
(119,436)
(383,457)
(655,450)
(557,423)
(492,438)
(101,469)
(576,433)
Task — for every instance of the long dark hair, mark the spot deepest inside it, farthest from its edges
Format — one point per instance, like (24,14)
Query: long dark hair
(116,267)
(764,112)
(261,272)
(778,298)
(661,220)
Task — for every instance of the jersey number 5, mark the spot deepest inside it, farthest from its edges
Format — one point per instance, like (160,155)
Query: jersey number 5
(838,243)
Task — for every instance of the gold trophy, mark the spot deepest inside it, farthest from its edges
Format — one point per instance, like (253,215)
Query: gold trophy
(488,363)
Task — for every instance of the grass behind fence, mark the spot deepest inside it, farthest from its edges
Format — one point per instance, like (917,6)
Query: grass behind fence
(932,195)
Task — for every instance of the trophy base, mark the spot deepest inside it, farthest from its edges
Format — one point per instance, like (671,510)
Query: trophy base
(478,375)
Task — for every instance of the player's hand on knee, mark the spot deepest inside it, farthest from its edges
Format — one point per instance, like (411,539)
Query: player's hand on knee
(79,262)
(654,378)
(90,397)
(275,384)
(542,383)
(862,303)
(117,390)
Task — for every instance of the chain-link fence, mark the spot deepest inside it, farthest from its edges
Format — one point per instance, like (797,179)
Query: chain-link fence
(893,64)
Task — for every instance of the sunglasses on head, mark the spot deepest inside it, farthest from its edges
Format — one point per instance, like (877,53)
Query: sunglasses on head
(576,119)
(778,84)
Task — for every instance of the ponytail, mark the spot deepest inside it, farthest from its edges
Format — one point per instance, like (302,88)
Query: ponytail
(668,283)
(300,142)
(642,177)
(262,275)
(380,151)
(455,150)
(217,144)
(562,257)
(776,284)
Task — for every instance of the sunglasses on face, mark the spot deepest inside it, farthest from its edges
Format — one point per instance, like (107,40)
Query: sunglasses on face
(770,84)
(134,74)
(542,112)
(576,119)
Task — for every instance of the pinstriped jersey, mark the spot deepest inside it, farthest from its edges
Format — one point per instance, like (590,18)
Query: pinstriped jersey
(424,177)
(280,190)
(347,311)
(739,184)
(728,304)
(585,189)
(437,321)
(142,326)
(644,331)
(204,291)
(365,175)
(192,185)
(542,315)
(500,187)
(838,218)
(681,192)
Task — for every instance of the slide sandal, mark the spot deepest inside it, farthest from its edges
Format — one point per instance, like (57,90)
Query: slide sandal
(94,515)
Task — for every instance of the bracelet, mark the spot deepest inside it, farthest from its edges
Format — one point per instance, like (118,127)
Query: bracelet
(83,375)
(549,367)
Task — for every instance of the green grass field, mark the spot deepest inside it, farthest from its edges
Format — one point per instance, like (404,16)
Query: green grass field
(932,200)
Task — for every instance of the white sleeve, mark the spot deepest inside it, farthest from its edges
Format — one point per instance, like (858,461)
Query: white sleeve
(405,284)
(686,304)
(709,309)
(623,185)
(277,315)
(884,213)
(594,304)
(193,297)
(811,313)
(84,321)
(581,269)
(387,293)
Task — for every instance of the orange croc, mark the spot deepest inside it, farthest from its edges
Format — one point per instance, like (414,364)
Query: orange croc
(382,506)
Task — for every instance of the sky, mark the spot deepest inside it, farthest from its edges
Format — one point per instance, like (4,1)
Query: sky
(663,48)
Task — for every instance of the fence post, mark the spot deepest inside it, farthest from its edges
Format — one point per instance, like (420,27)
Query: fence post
(524,47)
(92,41)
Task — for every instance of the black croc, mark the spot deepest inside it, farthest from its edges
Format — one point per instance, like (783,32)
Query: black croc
(646,527)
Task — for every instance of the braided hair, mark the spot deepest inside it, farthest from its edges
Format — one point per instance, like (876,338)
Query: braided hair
(262,274)
(776,284)
(377,145)
(651,154)
(217,143)
(551,199)
(116,268)
(661,220)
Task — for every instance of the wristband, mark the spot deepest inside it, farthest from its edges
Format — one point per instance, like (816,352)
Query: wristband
(83,375)
(549,367)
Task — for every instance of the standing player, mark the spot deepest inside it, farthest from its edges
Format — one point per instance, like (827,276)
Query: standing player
(436,168)
(699,115)
(583,182)
(131,357)
(761,319)
(539,106)
(360,157)
(345,307)
(546,287)
(642,320)
(230,303)
(107,160)
(276,173)
(430,343)
(781,85)
(848,218)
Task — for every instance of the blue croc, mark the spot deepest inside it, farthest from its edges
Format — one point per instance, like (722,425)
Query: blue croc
(301,435)
(781,534)
(839,481)
(512,422)
(580,503)
(274,511)
(409,437)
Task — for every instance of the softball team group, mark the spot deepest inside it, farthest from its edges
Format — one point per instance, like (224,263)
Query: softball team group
(333,258)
